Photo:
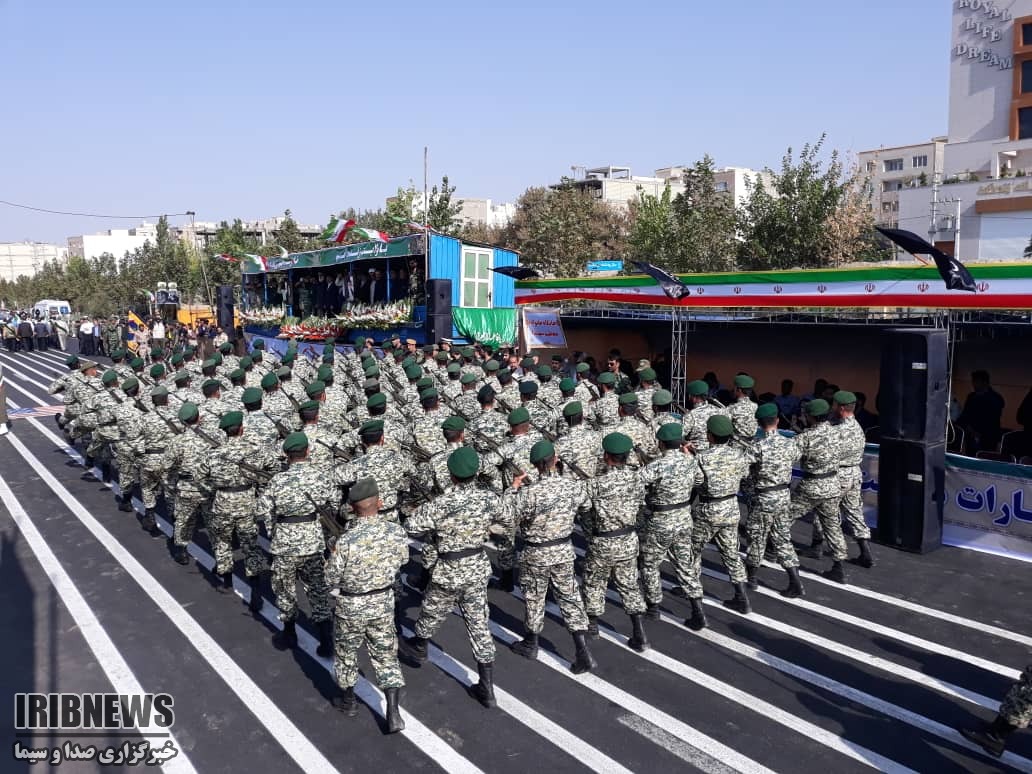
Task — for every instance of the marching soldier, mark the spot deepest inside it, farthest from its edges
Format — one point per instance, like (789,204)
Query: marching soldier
(580,445)
(700,409)
(607,406)
(851,443)
(184,459)
(156,427)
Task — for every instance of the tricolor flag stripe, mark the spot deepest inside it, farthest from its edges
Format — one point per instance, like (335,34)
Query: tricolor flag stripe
(35,412)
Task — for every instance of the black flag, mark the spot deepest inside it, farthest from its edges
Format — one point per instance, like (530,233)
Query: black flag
(671,285)
(953,272)
(517,272)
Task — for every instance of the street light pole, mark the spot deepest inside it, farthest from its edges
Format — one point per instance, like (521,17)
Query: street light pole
(204,271)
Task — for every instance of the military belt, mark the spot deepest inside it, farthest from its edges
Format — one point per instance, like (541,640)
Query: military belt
(158,450)
(241,488)
(775,488)
(546,543)
(671,506)
(616,532)
(369,593)
(464,553)
(820,475)
(186,477)
(305,519)
(707,499)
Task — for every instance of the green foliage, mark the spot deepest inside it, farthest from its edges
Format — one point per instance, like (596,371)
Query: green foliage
(289,237)
(442,212)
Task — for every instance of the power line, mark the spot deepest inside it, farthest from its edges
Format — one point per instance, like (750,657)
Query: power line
(89,214)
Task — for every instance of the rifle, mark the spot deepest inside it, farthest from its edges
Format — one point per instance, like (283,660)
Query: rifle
(337,451)
(448,402)
(417,451)
(171,425)
(211,441)
(508,464)
(280,427)
(328,520)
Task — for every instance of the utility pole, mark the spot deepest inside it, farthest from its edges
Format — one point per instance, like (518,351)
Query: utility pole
(933,226)
(202,258)
(956,233)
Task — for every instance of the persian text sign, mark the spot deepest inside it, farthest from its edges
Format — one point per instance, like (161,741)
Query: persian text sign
(542,329)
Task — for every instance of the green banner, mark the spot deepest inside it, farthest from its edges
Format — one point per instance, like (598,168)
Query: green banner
(488,326)
(399,247)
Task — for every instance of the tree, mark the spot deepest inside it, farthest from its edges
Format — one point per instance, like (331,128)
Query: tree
(653,236)
(560,230)
(289,236)
(483,233)
(443,213)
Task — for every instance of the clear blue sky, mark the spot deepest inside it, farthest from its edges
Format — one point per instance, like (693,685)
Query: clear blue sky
(234,108)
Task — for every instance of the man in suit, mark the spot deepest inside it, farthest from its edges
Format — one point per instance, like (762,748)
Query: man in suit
(377,290)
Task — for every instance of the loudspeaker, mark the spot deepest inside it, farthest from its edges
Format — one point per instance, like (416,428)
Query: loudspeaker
(438,326)
(224,309)
(914,385)
(911,495)
(438,297)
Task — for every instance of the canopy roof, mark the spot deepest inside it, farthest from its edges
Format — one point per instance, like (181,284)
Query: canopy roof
(399,247)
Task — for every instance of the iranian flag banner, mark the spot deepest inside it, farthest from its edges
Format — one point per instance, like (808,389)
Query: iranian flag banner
(336,230)
(370,235)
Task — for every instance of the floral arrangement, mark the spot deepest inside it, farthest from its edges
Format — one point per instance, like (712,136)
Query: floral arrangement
(375,316)
(354,316)
(310,329)
(263,315)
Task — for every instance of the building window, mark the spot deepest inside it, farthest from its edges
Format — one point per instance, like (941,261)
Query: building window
(1026,76)
(870,166)
(1025,123)
(1026,34)
(720,187)
(920,161)
(892,185)
(894,165)
(476,278)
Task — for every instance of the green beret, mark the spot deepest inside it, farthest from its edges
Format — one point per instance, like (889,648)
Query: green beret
(671,431)
(371,427)
(359,341)
(309,406)
(454,423)
(573,409)
(413,372)
(371,384)
(441,357)
(251,396)
(463,463)
(468,352)
(216,359)
(617,443)
(504,375)
(662,398)
(428,349)
(557,358)
(188,412)
(117,354)
(109,377)
(698,388)
(486,394)
(367,355)
(231,419)
(454,368)
(428,394)
(177,359)
(71,361)
(136,364)
(325,372)
(236,374)
(372,370)
(225,347)
(284,372)
(315,388)
(295,442)
(426,381)
(767,410)
(528,388)
(329,341)
(363,489)
(527,362)
(288,357)
(744,382)
(544,371)
(258,344)
(492,365)
(408,361)
(130,383)
(567,385)
(647,374)
(628,398)
(540,451)
(818,408)
(583,368)
(157,370)
(157,352)
(519,416)
(161,391)
(468,378)
(607,377)
(269,381)
(720,426)
(844,397)
(379,399)
(209,363)
(211,383)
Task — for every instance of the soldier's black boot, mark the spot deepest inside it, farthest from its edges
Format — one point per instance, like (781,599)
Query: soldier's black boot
(638,640)
(179,553)
(394,721)
(345,702)
(866,559)
(225,585)
(527,647)
(991,737)
(593,626)
(325,648)
(483,690)
(652,611)
(255,602)
(815,545)
(795,585)
(697,621)
(751,583)
(125,503)
(583,661)
(414,647)
(837,573)
(105,472)
(740,601)
(149,523)
(287,638)
(507,582)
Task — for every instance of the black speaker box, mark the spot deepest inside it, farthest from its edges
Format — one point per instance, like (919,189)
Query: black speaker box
(911,495)
(438,326)
(224,308)
(438,297)
(914,385)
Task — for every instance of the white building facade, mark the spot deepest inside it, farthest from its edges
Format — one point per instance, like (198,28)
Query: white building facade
(116,241)
(887,171)
(617,186)
(24,259)
(487,212)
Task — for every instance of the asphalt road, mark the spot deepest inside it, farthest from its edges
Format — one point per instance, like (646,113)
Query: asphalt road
(876,675)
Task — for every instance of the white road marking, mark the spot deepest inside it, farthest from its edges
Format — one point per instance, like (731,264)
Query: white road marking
(687,753)
(10,371)
(108,657)
(47,363)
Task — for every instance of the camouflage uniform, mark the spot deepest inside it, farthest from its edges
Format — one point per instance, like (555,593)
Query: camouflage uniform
(770,512)
(543,513)
(583,447)
(695,424)
(156,435)
(1016,708)
(645,401)
(607,410)
(129,446)
(743,418)
(851,444)
(260,427)
(460,521)
(550,394)
(665,418)
(235,498)
(289,504)
(517,452)
(668,529)
(466,405)
(183,461)
(616,497)
(718,477)
(641,433)
(361,574)
(389,469)
(819,490)
(585,392)
(490,424)
(508,398)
